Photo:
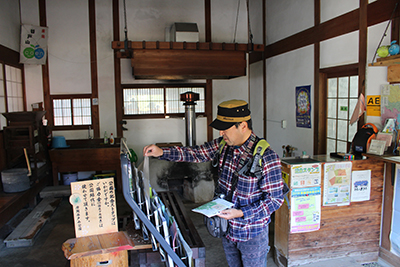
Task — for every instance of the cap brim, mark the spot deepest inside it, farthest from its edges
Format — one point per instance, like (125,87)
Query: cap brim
(221,125)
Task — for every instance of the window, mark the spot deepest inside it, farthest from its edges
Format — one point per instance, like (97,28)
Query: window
(73,111)
(11,91)
(152,101)
(342,96)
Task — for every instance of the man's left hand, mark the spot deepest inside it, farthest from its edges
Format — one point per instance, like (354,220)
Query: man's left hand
(231,214)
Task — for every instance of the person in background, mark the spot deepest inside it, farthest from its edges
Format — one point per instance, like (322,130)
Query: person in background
(246,243)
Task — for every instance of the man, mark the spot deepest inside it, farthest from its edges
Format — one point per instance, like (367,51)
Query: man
(246,243)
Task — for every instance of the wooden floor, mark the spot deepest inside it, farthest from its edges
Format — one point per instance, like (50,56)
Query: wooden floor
(12,203)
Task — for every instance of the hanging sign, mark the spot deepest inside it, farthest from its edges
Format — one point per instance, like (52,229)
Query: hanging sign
(33,49)
(374,105)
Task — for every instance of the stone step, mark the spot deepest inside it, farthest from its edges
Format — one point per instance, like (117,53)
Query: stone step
(27,231)
(56,191)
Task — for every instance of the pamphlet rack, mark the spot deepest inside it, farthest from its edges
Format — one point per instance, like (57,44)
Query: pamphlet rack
(127,192)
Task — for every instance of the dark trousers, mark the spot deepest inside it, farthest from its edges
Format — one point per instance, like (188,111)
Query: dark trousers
(251,253)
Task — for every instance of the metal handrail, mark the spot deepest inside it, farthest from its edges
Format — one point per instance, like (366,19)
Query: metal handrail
(127,195)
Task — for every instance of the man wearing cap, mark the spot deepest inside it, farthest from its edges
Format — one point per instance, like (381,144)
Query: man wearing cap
(246,243)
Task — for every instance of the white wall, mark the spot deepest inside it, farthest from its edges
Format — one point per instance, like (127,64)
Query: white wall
(10,24)
(256,101)
(69,56)
(69,60)
(287,17)
(285,72)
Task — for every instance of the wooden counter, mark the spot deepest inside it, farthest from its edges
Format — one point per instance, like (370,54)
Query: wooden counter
(390,167)
(86,155)
(352,230)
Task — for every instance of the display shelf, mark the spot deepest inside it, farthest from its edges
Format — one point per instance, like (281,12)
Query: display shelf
(26,143)
(386,61)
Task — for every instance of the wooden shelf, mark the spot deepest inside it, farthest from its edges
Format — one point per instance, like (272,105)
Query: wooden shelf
(386,61)
(185,60)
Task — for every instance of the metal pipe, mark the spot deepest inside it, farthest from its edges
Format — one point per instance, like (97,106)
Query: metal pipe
(190,116)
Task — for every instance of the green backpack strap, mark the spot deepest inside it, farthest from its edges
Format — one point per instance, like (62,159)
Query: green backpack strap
(260,148)
(215,159)
(222,143)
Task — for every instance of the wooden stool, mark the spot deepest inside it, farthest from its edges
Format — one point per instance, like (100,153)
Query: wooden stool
(97,242)
(98,250)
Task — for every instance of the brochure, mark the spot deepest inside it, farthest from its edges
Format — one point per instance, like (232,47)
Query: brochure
(213,207)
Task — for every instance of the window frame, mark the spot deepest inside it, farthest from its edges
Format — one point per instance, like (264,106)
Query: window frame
(10,58)
(320,133)
(337,118)
(4,72)
(71,97)
(163,86)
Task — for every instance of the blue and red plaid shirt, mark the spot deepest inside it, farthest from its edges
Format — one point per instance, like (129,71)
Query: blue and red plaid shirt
(257,199)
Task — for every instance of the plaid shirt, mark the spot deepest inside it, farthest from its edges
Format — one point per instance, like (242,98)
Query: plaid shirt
(257,199)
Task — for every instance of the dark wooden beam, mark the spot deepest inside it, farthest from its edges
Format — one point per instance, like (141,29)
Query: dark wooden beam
(45,71)
(317,89)
(117,70)
(93,67)
(362,51)
(209,84)
(264,29)
(9,56)
(209,108)
(207,13)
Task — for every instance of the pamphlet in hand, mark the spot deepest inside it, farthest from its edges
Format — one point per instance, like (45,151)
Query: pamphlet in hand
(213,207)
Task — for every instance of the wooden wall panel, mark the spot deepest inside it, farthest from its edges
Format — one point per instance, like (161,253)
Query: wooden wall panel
(188,63)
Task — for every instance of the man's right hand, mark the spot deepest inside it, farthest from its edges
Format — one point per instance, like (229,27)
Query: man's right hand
(152,150)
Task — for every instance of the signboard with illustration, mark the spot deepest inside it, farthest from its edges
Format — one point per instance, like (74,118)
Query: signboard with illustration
(303,106)
(33,49)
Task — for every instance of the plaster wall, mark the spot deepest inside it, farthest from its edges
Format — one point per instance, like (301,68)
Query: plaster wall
(69,56)
(295,68)
(332,9)
(284,73)
(10,26)
(287,17)
(256,96)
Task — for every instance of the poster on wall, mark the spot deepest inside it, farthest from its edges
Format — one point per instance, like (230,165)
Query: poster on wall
(360,185)
(303,106)
(390,105)
(33,49)
(305,209)
(305,175)
(337,183)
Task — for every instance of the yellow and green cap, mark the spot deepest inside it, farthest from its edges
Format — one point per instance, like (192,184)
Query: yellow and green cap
(229,113)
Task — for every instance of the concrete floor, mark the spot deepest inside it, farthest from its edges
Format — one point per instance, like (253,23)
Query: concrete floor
(46,251)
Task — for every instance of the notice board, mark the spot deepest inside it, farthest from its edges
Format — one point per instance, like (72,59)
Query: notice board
(94,207)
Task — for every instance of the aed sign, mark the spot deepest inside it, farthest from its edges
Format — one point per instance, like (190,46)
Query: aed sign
(374,105)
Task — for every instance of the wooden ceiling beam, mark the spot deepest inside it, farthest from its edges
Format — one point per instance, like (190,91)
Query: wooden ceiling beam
(125,48)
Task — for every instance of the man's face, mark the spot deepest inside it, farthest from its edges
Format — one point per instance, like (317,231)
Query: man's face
(233,136)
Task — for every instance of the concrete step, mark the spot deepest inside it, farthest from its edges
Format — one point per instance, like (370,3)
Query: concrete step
(27,231)
(56,191)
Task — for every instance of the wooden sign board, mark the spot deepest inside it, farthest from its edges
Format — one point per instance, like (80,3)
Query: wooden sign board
(94,207)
